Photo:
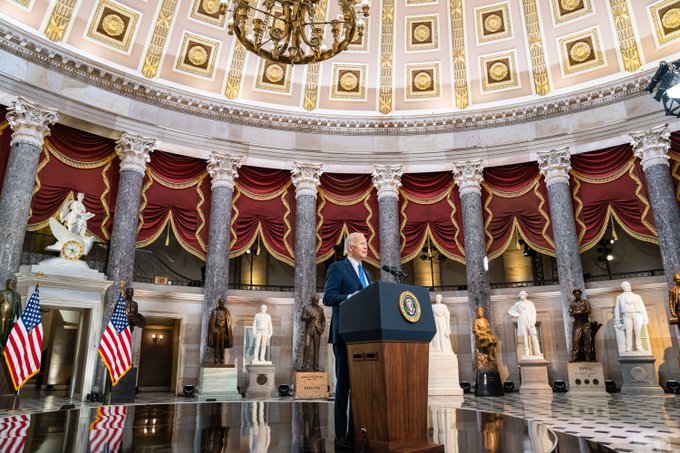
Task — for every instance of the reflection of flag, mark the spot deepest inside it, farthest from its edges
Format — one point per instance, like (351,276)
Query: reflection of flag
(24,344)
(106,431)
(115,348)
(13,431)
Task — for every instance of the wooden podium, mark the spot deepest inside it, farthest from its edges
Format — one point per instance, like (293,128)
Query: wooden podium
(388,328)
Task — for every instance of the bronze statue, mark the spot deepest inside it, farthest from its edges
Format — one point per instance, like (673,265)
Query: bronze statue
(219,331)
(485,343)
(674,300)
(134,317)
(583,330)
(10,309)
(315,323)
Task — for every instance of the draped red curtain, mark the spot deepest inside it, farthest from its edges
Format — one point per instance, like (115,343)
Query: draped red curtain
(609,184)
(430,209)
(175,195)
(515,200)
(347,203)
(74,161)
(5,138)
(263,206)
(674,154)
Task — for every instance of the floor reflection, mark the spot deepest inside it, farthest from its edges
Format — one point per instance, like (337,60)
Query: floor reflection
(257,426)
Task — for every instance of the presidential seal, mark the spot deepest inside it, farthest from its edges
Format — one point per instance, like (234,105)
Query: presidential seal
(409,306)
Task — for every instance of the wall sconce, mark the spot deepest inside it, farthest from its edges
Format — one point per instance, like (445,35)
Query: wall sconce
(157,337)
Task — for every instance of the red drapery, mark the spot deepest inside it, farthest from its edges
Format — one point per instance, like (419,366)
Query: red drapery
(263,206)
(515,199)
(609,184)
(176,192)
(430,208)
(74,161)
(5,138)
(675,162)
(347,204)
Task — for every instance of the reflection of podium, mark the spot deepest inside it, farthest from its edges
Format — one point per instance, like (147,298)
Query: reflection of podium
(388,328)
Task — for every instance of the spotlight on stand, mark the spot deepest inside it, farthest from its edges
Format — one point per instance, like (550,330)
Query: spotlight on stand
(666,81)
(673,386)
(509,386)
(189,390)
(559,386)
(465,385)
(610,386)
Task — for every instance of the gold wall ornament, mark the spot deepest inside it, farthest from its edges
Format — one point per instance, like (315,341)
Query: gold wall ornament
(159,38)
(208,11)
(386,57)
(211,6)
(302,40)
(580,51)
(567,10)
(498,71)
(311,94)
(275,73)
(624,29)
(421,33)
(59,20)
(538,66)
(113,25)
(422,81)
(671,18)
(349,81)
(197,55)
(665,15)
(493,23)
(460,85)
(272,76)
(570,5)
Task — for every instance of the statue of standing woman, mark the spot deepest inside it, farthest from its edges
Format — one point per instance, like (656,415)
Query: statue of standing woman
(442,320)
(219,331)
(10,309)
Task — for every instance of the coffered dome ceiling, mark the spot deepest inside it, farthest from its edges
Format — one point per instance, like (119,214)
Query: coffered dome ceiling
(416,57)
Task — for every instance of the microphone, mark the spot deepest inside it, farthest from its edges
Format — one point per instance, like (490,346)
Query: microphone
(395,271)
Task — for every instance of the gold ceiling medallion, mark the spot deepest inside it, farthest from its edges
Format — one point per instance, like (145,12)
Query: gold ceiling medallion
(274,73)
(493,23)
(211,6)
(569,5)
(671,18)
(422,81)
(349,81)
(113,24)
(498,71)
(421,33)
(580,51)
(197,55)
(665,16)
(287,32)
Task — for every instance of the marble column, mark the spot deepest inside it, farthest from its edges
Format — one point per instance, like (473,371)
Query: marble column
(387,180)
(305,177)
(555,166)
(30,125)
(223,169)
(468,177)
(651,146)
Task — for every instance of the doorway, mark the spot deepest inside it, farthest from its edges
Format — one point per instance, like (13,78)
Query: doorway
(159,355)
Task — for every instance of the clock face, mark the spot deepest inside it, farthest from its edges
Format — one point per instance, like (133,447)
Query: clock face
(72,250)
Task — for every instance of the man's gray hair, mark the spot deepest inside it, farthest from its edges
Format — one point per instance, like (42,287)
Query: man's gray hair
(350,237)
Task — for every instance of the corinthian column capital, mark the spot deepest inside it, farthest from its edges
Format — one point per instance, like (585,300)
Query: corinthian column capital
(223,168)
(387,180)
(555,165)
(30,122)
(468,176)
(305,177)
(134,151)
(651,146)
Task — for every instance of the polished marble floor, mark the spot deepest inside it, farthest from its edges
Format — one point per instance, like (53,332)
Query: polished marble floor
(619,423)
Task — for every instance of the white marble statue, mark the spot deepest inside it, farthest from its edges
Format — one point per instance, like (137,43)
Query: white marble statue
(262,331)
(74,216)
(525,312)
(71,230)
(630,316)
(260,433)
(442,321)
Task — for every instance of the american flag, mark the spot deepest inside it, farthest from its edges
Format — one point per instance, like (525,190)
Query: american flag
(115,348)
(13,431)
(106,431)
(24,343)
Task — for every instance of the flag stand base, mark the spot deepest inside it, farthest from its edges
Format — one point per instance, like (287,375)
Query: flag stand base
(8,399)
(124,392)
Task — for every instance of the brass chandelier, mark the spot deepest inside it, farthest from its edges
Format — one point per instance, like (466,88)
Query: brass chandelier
(294,31)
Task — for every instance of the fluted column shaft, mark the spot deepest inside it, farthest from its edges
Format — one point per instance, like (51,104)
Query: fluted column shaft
(305,177)
(468,177)
(555,166)
(30,124)
(387,180)
(223,170)
(651,146)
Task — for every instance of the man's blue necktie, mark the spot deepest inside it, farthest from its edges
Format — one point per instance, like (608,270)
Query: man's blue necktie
(362,276)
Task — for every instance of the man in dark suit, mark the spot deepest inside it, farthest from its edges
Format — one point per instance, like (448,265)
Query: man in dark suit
(343,280)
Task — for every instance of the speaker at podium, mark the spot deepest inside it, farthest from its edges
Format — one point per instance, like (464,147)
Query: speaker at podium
(388,328)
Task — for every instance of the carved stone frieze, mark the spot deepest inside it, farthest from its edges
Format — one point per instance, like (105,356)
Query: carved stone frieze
(223,168)
(651,146)
(555,165)
(134,152)
(30,123)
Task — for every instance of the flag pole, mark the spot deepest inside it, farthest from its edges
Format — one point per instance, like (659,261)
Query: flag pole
(121,288)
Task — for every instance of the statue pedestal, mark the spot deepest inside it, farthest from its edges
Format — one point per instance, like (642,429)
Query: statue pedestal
(534,375)
(7,394)
(639,374)
(260,380)
(311,384)
(586,378)
(125,391)
(488,383)
(218,382)
(443,377)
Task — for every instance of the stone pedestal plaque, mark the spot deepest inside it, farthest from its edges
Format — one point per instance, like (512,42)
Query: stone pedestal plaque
(260,380)
(218,382)
(639,375)
(443,375)
(534,376)
(311,384)
(586,378)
